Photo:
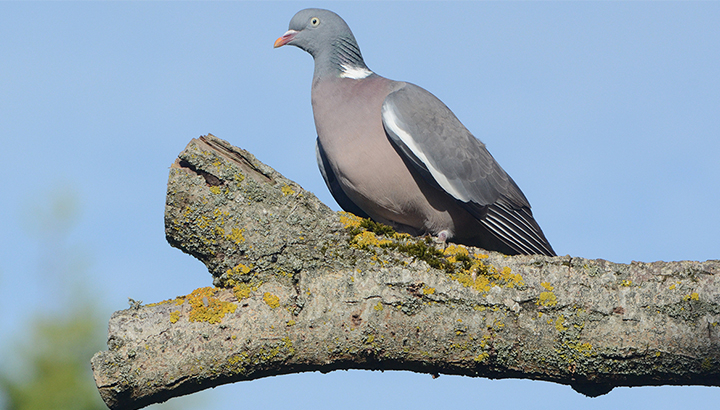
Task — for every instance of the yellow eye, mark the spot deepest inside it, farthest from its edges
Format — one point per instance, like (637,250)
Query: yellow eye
(314,21)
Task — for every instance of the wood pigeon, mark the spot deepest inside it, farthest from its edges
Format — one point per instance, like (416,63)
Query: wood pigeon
(392,151)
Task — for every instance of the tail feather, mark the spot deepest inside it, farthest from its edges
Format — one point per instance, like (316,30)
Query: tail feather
(517,229)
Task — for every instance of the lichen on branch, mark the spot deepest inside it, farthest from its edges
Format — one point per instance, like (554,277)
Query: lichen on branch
(298,287)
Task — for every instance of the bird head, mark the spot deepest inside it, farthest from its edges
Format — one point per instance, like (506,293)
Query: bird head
(327,37)
(314,30)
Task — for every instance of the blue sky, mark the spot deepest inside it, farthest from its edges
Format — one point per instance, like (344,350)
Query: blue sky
(606,114)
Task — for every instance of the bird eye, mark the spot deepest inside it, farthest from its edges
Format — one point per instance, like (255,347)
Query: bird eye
(314,21)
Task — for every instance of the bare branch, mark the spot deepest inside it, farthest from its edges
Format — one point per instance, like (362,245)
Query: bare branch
(302,288)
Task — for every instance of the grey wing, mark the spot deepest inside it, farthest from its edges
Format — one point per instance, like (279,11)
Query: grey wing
(331,181)
(438,145)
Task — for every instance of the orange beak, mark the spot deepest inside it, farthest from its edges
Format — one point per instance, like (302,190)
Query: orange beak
(286,38)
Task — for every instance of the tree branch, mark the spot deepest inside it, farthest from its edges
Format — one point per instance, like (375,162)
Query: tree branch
(302,288)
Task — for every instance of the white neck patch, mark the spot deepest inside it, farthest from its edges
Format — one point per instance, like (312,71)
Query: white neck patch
(354,73)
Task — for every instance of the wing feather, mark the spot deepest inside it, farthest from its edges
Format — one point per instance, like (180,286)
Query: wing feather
(431,138)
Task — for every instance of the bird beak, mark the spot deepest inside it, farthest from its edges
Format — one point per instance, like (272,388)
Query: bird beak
(286,38)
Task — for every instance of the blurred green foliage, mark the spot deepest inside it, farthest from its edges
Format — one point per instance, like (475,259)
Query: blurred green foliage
(46,364)
(52,367)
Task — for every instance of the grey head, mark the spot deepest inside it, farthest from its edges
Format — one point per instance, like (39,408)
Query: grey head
(327,37)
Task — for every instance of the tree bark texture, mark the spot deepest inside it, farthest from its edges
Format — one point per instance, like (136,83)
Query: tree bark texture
(298,287)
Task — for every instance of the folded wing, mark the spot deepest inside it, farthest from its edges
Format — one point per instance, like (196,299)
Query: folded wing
(429,136)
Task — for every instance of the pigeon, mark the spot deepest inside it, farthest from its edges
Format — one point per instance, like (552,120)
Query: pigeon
(393,152)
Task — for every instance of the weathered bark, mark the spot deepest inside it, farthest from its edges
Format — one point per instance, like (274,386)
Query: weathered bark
(302,288)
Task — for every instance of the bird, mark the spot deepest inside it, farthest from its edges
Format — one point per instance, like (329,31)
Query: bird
(393,152)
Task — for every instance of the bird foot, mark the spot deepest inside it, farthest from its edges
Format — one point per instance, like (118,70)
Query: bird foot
(441,239)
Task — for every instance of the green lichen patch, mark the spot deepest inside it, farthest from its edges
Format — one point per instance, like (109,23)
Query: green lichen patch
(271,353)
(710,365)
(356,225)
(377,228)
(423,250)
(238,362)
(691,307)
(455,260)
(370,235)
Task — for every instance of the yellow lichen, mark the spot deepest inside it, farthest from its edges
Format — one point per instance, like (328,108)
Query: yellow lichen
(547,299)
(475,274)
(626,283)
(174,316)
(428,291)
(481,357)
(287,344)
(207,308)
(287,190)
(271,300)
(178,301)
(584,348)
(559,324)
(238,361)
(236,235)
(350,220)
(290,322)
(453,251)
(379,306)
(367,238)
(239,269)
(692,296)
(244,290)
(547,286)
(512,280)
(706,365)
